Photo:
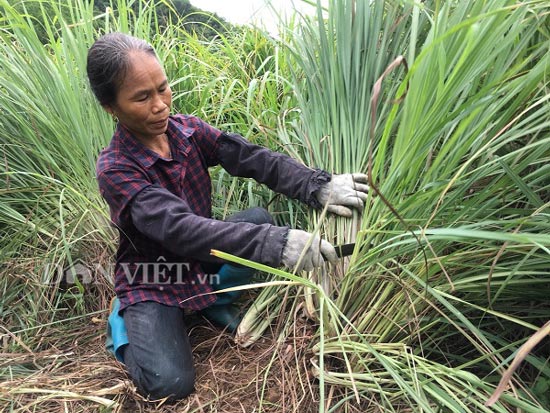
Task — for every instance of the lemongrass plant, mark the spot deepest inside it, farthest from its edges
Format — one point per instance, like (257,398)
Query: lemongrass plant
(50,135)
(455,236)
(329,61)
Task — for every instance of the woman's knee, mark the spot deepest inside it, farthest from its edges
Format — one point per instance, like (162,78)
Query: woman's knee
(254,215)
(173,384)
(158,357)
(261,216)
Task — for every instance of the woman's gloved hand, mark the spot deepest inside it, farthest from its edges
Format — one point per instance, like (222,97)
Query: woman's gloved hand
(318,251)
(344,191)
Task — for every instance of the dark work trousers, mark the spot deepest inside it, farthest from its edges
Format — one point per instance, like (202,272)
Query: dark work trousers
(159,357)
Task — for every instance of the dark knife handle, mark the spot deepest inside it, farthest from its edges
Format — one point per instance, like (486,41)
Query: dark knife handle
(344,250)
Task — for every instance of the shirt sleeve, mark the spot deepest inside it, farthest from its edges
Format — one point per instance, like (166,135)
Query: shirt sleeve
(168,220)
(119,187)
(279,172)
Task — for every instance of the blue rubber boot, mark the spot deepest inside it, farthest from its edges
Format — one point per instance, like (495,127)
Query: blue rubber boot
(223,312)
(117,336)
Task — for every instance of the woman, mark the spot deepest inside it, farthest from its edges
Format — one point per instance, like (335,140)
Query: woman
(154,177)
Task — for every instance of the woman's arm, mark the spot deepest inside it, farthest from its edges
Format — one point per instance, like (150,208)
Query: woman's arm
(168,220)
(279,172)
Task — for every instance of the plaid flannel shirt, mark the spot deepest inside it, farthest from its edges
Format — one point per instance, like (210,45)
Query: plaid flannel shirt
(163,266)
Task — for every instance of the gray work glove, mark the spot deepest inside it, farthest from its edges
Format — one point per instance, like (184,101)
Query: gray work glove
(343,191)
(317,252)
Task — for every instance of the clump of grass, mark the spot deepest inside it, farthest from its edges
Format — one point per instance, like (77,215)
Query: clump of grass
(51,132)
(433,302)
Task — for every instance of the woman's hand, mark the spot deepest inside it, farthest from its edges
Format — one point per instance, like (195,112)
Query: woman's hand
(344,191)
(316,251)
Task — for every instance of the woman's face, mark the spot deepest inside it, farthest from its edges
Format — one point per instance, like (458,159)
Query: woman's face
(143,98)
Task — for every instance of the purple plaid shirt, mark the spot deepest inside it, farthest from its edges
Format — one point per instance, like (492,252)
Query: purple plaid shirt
(124,169)
(148,268)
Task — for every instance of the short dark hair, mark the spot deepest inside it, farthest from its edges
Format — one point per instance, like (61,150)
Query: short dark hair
(108,63)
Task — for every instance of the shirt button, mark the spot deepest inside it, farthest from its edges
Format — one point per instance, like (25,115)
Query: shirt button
(161,288)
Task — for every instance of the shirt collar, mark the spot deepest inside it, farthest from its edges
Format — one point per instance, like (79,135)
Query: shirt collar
(178,135)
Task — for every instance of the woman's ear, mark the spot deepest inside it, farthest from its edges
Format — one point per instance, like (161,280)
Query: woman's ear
(110,111)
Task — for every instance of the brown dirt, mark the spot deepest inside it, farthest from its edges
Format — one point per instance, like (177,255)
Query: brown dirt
(265,377)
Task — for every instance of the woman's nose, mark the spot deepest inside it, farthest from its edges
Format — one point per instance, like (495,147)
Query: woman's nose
(159,104)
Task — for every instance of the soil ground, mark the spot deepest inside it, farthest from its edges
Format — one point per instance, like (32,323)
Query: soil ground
(263,377)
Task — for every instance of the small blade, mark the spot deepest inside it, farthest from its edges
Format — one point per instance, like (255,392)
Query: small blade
(344,250)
